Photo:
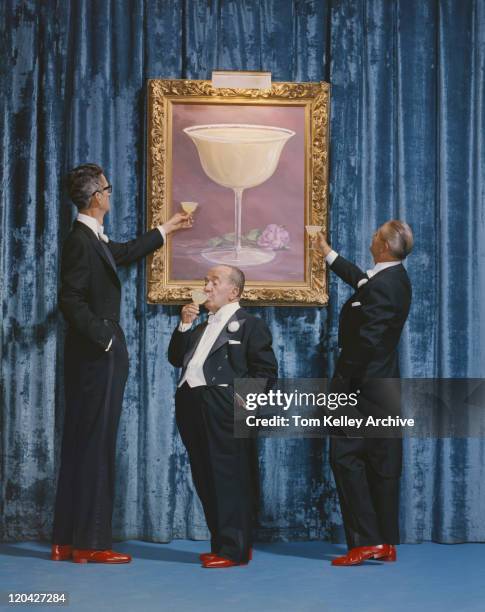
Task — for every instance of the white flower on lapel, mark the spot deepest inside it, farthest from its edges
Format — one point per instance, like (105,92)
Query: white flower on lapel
(233,326)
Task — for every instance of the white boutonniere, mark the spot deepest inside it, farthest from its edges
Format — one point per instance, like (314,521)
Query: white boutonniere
(233,326)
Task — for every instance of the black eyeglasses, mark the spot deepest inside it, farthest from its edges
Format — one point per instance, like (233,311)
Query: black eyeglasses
(108,188)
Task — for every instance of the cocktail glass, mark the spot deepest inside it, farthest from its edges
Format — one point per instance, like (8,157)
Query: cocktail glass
(189,207)
(239,156)
(312,231)
(198,296)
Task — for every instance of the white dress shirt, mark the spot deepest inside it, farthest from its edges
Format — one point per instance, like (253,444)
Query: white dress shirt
(381,266)
(194,374)
(98,229)
(332,256)
(92,223)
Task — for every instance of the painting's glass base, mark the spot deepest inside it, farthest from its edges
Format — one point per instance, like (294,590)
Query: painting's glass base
(247,256)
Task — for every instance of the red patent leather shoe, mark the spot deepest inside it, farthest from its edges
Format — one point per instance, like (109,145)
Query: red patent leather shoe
(216,562)
(391,555)
(61,552)
(356,556)
(98,556)
(206,556)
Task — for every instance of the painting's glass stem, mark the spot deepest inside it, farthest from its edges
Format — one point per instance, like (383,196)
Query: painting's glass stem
(237,220)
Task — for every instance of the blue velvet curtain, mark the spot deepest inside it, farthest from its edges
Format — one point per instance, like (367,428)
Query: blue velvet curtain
(407,141)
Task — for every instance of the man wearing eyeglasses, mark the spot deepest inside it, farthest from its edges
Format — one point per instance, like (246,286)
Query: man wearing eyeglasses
(95,368)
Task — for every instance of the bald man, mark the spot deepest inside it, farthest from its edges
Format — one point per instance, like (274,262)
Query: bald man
(367,471)
(231,344)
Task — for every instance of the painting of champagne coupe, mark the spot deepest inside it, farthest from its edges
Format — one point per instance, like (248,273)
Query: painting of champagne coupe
(238,156)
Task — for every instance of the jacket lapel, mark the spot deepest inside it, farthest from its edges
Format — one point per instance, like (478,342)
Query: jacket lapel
(108,254)
(197,335)
(97,245)
(225,335)
(397,268)
(366,285)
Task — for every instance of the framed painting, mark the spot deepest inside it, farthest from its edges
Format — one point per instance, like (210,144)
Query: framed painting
(252,166)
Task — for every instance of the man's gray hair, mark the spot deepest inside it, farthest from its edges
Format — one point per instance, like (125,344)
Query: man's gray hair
(399,236)
(82,182)
(237,277)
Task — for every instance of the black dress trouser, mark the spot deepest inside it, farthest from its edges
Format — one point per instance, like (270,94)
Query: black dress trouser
(223,467)
(367,473)
(94,385)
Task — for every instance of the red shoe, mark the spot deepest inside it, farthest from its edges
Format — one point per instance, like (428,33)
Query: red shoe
(357,555)
(99,556)
(207,556)
(391,555)
(61,552)
(218,562)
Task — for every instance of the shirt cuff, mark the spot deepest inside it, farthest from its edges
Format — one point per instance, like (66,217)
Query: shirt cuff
(183,327)
(331,257)
(109,346)
(161,229)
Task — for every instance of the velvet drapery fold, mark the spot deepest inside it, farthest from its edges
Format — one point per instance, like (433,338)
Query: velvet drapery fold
(407,118)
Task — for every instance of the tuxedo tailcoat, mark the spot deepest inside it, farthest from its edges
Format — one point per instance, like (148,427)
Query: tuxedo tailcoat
(224,468)
(94,382)
(367,470)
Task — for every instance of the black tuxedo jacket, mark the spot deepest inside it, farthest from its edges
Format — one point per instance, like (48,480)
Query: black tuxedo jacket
(90,288)
(371,321)
(248,355)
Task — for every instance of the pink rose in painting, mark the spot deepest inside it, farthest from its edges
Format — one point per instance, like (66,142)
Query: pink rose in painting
(274,237)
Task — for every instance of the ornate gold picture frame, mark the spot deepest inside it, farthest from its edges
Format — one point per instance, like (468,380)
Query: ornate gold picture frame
(256,162)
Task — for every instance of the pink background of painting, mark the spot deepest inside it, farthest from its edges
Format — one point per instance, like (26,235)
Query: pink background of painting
(279,200)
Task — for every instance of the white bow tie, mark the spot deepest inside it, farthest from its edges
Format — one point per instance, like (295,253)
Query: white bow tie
(213,318)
